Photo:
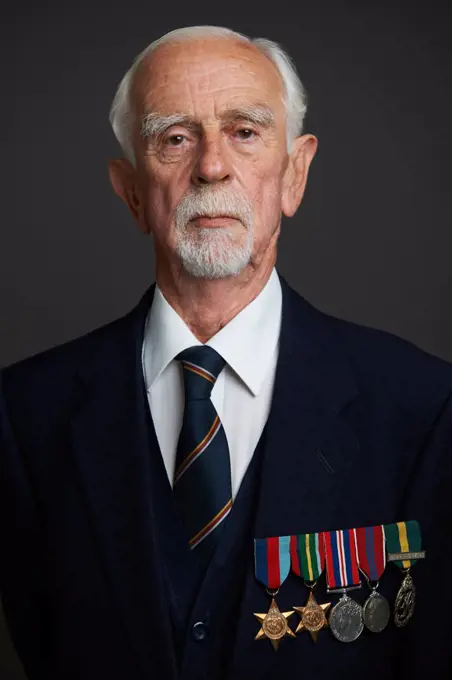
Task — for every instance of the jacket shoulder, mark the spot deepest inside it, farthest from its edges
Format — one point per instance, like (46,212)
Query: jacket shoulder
(37,392)
(58,360)
(62,360)
(417,380)
(383,365)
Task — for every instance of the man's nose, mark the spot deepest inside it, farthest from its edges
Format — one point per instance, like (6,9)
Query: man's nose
(212,163)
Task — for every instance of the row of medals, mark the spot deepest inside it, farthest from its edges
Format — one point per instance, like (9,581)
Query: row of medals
(347,618)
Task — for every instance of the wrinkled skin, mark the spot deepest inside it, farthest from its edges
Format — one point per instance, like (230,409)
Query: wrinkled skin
(205,79)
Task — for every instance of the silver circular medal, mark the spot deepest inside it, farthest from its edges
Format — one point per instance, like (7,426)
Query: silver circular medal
(346,620)
(376,612)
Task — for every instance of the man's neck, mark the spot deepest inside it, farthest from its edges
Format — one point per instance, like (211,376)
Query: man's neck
(207,305)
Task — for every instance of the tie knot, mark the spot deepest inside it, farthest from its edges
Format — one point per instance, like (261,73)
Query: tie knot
(201,367)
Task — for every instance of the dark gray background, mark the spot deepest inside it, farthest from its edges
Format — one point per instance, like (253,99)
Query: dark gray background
(372,240)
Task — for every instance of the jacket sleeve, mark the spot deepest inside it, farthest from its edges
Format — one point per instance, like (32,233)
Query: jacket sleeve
(427,637)
(21,575)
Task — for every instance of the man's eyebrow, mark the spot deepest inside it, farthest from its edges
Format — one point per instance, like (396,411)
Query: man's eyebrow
(154,124)
(259,114)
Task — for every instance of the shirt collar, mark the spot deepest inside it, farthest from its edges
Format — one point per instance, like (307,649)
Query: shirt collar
(246,343)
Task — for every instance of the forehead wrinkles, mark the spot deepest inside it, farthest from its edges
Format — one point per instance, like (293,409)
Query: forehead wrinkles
(181,71)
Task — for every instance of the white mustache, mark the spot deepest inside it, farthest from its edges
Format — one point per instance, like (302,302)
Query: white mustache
(214,203)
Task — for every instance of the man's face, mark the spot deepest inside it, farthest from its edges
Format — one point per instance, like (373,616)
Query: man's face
(211,154)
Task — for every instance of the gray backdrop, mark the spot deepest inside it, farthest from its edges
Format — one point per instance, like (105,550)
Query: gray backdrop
(372,240)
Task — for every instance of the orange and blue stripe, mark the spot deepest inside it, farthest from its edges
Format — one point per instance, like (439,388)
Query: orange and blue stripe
(211,526)
(198,450)
(199,370)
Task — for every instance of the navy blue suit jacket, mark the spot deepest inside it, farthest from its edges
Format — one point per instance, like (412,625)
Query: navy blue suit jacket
(360,433)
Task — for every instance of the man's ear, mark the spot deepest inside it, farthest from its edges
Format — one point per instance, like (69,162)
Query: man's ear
(294,181)
(123,178)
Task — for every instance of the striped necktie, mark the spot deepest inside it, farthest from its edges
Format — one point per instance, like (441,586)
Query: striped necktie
(202,480)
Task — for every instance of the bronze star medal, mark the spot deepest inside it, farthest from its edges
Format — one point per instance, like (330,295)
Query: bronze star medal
(272,566)
(313,616)
(308,561)
(274,625)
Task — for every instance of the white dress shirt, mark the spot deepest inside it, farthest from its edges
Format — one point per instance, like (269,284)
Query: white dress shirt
(243,391)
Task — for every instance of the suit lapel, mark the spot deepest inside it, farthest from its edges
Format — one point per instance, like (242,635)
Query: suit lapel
(310,452)
(110,445)
(309,445)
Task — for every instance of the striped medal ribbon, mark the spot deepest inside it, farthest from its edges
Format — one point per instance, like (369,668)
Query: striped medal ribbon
(346,619)
(307,552)
(403,542)
(372,563)
(272,566)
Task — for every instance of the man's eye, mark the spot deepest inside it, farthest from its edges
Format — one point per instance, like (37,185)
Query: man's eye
(174,140)
(246,133)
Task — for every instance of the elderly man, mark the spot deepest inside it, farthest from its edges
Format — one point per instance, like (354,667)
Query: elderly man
(191,489)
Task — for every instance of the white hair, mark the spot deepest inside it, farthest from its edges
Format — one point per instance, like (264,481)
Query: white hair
(213,253)
(295,97)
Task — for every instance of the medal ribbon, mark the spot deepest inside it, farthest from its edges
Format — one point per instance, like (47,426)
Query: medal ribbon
(272,560)
(307,554)
(403,537)
(371,551)
(341,559)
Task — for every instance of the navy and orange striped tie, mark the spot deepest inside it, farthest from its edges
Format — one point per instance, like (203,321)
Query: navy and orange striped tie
(202,480)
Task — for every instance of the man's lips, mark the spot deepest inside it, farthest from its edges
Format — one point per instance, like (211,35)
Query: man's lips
(210,221)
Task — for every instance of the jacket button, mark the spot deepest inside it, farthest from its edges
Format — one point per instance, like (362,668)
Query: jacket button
(199,631)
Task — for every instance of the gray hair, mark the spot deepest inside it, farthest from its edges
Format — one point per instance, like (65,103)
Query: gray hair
(295,97)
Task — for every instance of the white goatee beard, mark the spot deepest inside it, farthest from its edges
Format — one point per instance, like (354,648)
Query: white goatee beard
(213,253)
